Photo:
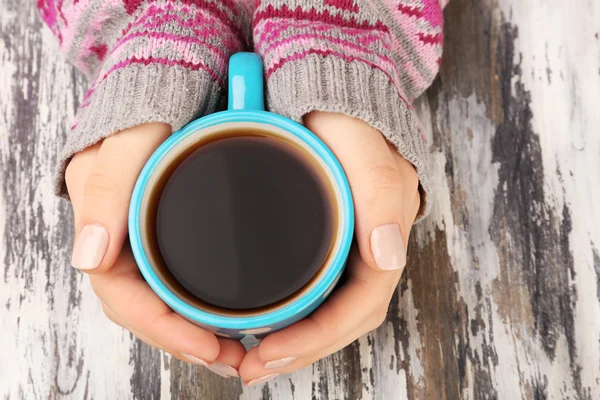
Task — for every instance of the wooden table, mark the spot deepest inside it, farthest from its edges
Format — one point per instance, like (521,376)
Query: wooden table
(501,298)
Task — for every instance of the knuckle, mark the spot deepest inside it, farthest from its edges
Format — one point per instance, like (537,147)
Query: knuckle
(411,181)
(96,292)
(160,326)
(69,176)
(110,317)
(109,314)
(329,324)
(385,183)
(385,175)
(408,171)
(100,185)
(378,318)
(389,287)
(391,290)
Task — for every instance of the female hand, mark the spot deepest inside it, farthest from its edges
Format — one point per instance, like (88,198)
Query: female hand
(100,181)
(386,196)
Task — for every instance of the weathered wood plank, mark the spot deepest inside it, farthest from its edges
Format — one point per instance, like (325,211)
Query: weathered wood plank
(53,337)
(502,295)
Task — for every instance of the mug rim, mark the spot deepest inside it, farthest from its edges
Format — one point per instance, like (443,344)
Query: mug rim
(295,306)
(217,132)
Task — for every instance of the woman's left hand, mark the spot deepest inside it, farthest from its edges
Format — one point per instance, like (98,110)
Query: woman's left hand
(100,180)
(386,196)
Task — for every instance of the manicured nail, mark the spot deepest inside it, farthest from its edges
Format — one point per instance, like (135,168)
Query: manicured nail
(279,363)
(260,380)
(195,360)
(223,370)
(90,247)
(388,247)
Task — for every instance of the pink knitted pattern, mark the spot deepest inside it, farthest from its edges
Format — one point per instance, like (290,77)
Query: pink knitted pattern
(190,34)
(403,40)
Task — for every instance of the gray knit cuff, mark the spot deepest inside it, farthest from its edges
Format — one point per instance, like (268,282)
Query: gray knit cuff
(135,95)
(330,84)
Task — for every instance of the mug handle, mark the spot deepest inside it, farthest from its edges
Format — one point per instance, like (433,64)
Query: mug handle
(246,87)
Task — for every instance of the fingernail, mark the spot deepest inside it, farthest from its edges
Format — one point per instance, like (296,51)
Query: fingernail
(279,363)
(388,247)
(223,370)
(90,247)
(260,380)
(195,360)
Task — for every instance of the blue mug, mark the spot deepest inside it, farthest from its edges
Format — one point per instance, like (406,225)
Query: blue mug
(245,109)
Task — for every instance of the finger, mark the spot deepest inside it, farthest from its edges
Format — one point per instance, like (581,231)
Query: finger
(254,371)
(231,352)
(230,357)
(126,293)
(76,174)
(377,186)
(366,293)
(102,227)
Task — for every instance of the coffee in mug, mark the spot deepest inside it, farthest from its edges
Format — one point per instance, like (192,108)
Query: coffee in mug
(241,221)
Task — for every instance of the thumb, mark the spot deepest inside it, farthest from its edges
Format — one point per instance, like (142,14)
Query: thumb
(381,196)
(104,207)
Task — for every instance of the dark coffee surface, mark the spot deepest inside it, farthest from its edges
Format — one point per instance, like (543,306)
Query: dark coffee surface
(244,222)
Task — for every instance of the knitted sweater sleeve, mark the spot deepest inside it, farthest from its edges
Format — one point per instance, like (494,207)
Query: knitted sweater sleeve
(366,58)
(147,61)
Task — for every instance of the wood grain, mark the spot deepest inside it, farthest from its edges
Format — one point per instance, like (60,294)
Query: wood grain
(501,298)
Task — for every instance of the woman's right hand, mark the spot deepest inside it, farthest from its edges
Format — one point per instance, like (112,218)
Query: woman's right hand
(100,180)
